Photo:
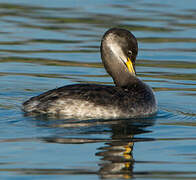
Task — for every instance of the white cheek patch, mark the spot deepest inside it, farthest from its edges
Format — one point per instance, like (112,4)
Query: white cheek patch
(117,51)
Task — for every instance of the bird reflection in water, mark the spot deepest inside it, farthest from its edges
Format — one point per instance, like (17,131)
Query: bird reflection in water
(116,155)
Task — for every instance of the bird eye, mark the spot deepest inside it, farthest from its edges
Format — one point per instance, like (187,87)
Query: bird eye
(130,53)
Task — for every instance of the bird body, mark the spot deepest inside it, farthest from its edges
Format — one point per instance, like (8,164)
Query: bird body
(130,97)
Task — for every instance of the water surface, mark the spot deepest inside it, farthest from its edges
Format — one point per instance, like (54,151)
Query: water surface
(47,44)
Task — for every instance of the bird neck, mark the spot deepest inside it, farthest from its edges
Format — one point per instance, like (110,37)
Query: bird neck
(124,79)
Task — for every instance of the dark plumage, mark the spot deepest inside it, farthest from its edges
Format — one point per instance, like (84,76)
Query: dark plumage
(131,97)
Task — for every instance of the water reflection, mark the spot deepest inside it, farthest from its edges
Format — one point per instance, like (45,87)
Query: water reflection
(116,154)
(117,159)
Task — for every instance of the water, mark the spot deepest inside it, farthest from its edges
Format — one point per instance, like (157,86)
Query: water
(47,44)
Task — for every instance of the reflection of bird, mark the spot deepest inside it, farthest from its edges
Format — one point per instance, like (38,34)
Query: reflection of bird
(131,97)
(117,157)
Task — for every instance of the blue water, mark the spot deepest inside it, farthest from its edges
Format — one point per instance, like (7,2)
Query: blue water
(47,44)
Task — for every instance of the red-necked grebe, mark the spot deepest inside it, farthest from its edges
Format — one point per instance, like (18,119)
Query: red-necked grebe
(130,97)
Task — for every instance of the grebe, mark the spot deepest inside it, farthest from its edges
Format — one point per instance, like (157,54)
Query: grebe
(130,97)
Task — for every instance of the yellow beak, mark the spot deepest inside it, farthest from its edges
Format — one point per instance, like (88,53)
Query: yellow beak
(130,67)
